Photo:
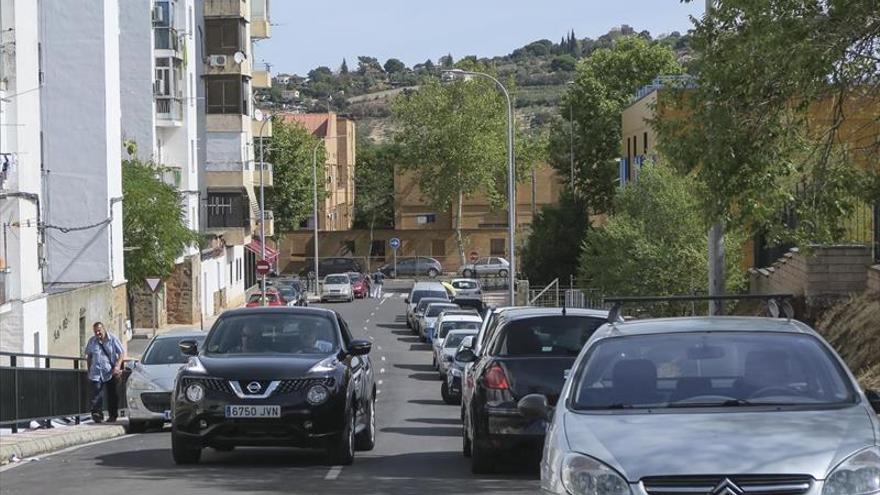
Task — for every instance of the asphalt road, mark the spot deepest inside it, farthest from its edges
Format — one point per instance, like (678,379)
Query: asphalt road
(418,444)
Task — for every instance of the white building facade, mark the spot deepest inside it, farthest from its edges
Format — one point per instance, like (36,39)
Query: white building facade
(23,326)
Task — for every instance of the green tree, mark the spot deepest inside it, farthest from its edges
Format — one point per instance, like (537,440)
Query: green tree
(655,242)
(374,183)
(289,150)
(552,249)
(604,84)
(454,136)
(563,63)
(343,69)
(394,66)
(764,68)
(153,223)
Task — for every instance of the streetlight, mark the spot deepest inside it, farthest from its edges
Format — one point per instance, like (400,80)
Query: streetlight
(259,116)
(511,177)
(315,200)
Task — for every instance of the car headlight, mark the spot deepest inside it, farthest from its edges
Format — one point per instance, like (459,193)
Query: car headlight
(582,475)
(195,392)
(858,475)
(195,366)
(137,381)
(456,372)
(317,394)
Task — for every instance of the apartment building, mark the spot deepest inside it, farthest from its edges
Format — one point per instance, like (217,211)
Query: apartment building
(81,217)
(158,40)
(232,174)
(23,326)
(336,210)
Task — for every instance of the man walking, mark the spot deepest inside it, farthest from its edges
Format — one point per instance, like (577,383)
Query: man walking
(378,281)
(104,354)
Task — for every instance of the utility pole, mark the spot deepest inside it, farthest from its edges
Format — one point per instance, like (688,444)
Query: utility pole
(716,248)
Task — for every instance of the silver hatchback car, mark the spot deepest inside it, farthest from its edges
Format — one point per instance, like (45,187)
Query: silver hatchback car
(709,406)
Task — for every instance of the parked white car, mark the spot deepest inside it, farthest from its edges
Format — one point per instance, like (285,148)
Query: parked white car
(445,324)
(337,287)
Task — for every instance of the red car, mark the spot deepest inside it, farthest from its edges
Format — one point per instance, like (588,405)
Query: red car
(359,285)
(273,298)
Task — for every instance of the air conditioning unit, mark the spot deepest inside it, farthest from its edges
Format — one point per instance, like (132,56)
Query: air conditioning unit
(158,15)
(217,60)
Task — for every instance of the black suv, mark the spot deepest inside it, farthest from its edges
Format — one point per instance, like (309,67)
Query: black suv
(417,267)
(277,376)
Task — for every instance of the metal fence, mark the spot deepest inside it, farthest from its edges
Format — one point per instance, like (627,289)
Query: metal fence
(29,392)
(554,295)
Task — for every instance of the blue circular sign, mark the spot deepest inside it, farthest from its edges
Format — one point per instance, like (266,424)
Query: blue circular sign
(394,242)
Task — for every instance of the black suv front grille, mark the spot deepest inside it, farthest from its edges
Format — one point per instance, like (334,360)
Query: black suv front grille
(157,402)
(298,384)
(215,384)
(747,484)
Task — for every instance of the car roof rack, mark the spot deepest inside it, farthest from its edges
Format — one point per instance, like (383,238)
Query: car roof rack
(777,304)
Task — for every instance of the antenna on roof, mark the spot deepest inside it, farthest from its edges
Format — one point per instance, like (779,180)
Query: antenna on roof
(614,313)
(563,306)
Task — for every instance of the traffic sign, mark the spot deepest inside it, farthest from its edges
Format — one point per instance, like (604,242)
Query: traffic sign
(473,256)
(263,267)
(394,242)
(153,283)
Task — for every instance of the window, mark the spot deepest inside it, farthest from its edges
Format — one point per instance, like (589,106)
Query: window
(496,247)
(645,141)
(227,210)
(225,95)
(438,247)
(426,219)
(224,36)
(628,148)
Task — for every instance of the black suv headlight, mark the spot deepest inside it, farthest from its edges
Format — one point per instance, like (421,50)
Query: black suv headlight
(317,395)
(195,392)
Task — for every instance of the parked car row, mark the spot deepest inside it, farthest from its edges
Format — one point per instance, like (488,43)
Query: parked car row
(680,405)
(408,266)
(280,292)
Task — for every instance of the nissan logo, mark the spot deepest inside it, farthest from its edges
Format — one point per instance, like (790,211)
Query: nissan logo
(254,387)
(727,487)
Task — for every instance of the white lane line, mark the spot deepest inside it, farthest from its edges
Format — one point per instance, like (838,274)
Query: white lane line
(373,313)
(383,358)
(368,320)
(365,328)
(380,347)
(381,303)
(378,391)
(333,473)
(372,338)
(380,382)
(382,370)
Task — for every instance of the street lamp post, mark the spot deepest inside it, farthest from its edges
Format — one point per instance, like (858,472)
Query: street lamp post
(265,119)
(511,179)
(315,203)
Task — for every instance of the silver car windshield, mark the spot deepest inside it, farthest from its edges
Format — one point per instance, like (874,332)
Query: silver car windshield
(721,369)
(336,280)
(167,351)
(273,334)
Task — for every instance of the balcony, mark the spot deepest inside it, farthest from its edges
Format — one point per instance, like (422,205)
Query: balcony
(230,175)
(270,224)
(256,125)
(228,8)
(226,65)
(169,111)
(261,79)
(172,176)
(267,174)
(167,38)
(260,29)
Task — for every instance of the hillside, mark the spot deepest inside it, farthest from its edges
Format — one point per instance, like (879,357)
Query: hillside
(540,70)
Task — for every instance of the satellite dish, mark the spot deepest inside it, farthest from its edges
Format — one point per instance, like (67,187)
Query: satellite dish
(773,308)
(258,115)
(239,57)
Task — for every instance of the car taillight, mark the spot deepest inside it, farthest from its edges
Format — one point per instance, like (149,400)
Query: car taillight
(495,378)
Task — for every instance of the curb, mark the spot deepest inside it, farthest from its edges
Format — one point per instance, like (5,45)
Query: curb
(38,442)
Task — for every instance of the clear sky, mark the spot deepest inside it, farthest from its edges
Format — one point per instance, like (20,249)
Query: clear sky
(306,34)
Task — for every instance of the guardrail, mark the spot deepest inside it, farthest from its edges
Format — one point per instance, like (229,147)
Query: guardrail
(30,392)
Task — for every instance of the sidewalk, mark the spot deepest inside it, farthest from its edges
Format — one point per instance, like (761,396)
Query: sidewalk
(44,441)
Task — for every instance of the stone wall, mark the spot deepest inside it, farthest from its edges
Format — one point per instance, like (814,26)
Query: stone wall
(827,272)
(874,279)
(144,303)
(182,292)
(71,312)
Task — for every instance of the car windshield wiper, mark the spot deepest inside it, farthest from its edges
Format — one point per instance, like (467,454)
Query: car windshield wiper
(726,403)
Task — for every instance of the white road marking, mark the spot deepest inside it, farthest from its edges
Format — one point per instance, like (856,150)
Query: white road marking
(380,382)
(333,473)
(378,392)
(382,370)
(380,347)
(372,338)
(368,320)
(381,303)
(383,358)
(373,314)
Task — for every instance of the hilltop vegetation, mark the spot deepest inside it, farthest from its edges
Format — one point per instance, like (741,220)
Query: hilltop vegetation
(539,70)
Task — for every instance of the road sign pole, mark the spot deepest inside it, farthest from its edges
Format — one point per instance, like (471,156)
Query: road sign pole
(395,245)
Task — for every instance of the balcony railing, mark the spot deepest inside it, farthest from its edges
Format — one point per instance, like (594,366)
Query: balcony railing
(169,108)
(166,39)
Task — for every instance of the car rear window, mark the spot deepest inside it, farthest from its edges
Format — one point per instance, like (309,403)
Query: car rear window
(448,326)
(421,294)
(167,351)
(436,309)
(546,335)
(336,279)
(270,297)
(355,277)
(455,339)
(465,284)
